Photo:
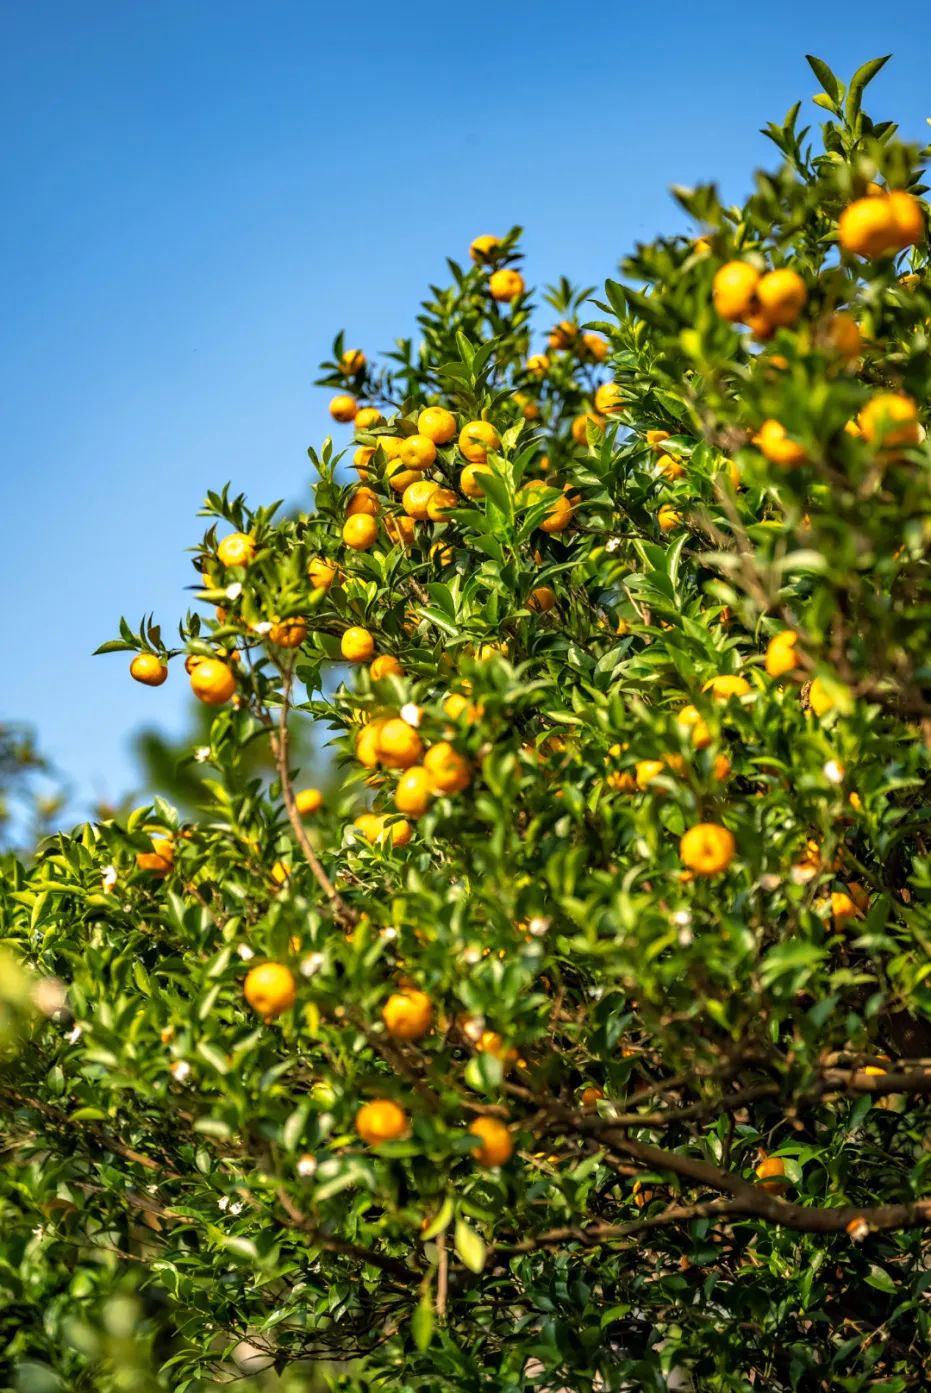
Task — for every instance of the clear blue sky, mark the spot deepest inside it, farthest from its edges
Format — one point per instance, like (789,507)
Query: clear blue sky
(197,195)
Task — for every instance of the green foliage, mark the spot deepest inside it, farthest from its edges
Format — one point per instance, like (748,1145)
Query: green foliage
(648,1026)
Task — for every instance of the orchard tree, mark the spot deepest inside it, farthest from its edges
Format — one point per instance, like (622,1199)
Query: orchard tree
(581,1039)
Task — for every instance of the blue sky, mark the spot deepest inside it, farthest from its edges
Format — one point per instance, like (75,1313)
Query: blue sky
(198,195)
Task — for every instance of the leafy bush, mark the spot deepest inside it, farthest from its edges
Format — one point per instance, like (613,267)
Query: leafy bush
(581,1038)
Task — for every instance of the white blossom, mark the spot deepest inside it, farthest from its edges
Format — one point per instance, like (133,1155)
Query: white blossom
(389,932)
(306,1166)
(538,925)
(74,1035)
(202,754)
(234,591)
(181,1070)
(410,713)
(471,955)
(834,772)
(109,877)
(682,918)
(245,952)
(223,1202)
(311,964)
(264,628)
(612,544)
(237,1207)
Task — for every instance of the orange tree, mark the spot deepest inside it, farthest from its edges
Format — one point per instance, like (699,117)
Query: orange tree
(581,1039)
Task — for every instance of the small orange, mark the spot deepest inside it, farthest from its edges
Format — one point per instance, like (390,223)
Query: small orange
(237,549)
(781,653)
(400,529)
(563,334)
(368,417)
(398,477)
(448,769)
(506,284)
(470,480)
(907,218)
(412,795)
(727,685)
(437,424)
(385,665)
(594,346)
(399,745)
(360,531)
(407,1015)
(867,227)
(416,497)
(781,295)
(357,645)
(538,364)
(771,1174)
(148,669)
(843,335)
(288,633)
(890,419)
(160,859)
(590,1097)
(495,1145)
(541,599)
(655,438)
(270,989)
(476,439)
(308,801)
(213,682)
(485,247)
(609,399)
(641,1194)
(734,290)
(370,826)
(442,501)
(707,848)
(352,362)
(417,452)
(381,1120)
(363,501)
(320,573)
(692,719)
(343,407)
(778,447)
(668,518)
(579,428)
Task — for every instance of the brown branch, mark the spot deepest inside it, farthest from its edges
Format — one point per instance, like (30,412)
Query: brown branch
(595,1234)
(442,1276)
(342,1246)
(279,742)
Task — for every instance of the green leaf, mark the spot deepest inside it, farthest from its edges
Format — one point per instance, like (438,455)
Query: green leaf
(422,1322)
(824,75)
(442,1220)
(858,82)
(469,1246)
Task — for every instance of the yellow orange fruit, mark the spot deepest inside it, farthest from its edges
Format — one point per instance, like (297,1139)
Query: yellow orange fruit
(288,633)
(771,1174)
(609,399)
(360,532)
(237,549)
(579,428)
(441,501)
(506,285)
(470,480)
(160,860)
(212,682)
(594,346)
(867,227)
(563,335)
(352,362)
(734,290)
(400,529)
(399,745)
(385,665)
(843,334)
(343,407)
(270,989)
(668,518)
(697,726)
(782,654)
(890,419)
(437,424)
(538,364)
(727,685)
(778,447)
(368,417)
(781,295)
(308,801)
(417,452)
(363,501)
(448,770)
(541,599)
(357,645)
(485,247)
(380,1121)
(907,217)
(476,439)
(320,573)
(148,669)
(408,1014)
(412,795)
(494,1144)
(707,848)
(416,497)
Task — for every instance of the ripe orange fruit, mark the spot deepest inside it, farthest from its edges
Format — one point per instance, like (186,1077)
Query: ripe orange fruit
(506,284)
(542,599)
(416,497)
(707,848)
(476,439)
(237,549)
(398,477)
(867,227)
(440,502)
(400,529)
(470,480)
(590,1097)
(727,685)
(485,247)
(646,770)
(370,826)
(441,553)
(771,1174)
(781,653)
(357,645)
(320,573)
(448,769)
(379,1121)
(363,501)
(579,428)
(608,399)
(160,859)
(558,515)
(360,531)
(734,290)
(212,682)
(819,698)
(412,795)
(642,1196)
(781,296)
(890,419)
(148,669)
(437,424)
(308,801)
(692,719)
(417,452)
(366,744)
(343,407)
(408,1014)
(907,218)
(288,633)
(563,335)
(775,443)
(456,705)
(399,745)
(594,346)
(385,665)
(668,518)
(270,989)
(843,335)
(655,438)
(494,1145)
(368,417)
(538,364)
(352,362)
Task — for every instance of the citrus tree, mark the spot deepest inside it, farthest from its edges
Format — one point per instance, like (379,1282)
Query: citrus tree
(582,1037)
